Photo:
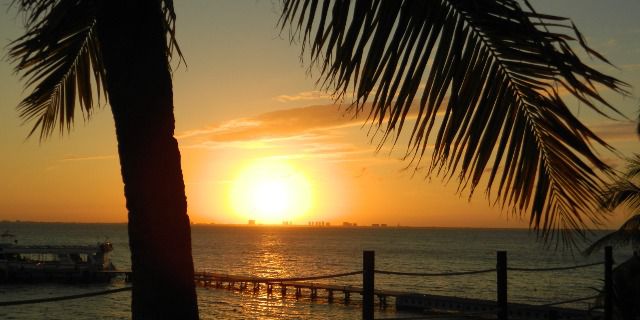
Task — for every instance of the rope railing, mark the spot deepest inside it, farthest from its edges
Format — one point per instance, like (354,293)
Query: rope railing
(441,274)
(462,273)
(569,301)
(501,272)
(557,268)
(268,279)
(61,298)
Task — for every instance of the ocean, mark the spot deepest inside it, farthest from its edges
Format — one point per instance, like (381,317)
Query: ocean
(307,251)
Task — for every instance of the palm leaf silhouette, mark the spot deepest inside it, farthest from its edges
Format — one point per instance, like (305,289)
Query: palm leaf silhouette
(59,55)
(627,233)
(502,68)
(622,192)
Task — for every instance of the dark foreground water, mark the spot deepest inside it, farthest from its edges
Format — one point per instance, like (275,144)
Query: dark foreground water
(302,251)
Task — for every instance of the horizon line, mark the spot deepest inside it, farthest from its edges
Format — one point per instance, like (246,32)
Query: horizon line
(336,226)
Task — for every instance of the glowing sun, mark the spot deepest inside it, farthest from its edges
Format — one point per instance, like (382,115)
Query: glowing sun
(271,192)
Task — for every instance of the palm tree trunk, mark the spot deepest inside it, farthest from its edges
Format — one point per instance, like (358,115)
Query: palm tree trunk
(134,49)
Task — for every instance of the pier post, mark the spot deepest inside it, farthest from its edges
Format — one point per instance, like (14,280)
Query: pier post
(608,283)
(368,264)
(501,279)
(383,301)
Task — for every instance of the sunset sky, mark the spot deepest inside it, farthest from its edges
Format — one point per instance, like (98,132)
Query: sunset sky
(251,122)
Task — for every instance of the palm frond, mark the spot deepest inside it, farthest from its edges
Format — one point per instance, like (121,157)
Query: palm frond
(623,190)
(59,57)
(633,167)
(170,28)
(619,193)
(503,69)
(627,233)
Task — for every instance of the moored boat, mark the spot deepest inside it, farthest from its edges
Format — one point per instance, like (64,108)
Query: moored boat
(36,263)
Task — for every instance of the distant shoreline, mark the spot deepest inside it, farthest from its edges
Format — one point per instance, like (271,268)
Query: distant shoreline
(298,226)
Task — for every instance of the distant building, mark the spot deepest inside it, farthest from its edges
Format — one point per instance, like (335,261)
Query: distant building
(375,225)
(252,222)
(383,225)
(319,224)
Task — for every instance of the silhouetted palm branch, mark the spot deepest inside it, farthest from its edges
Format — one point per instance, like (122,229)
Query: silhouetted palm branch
(629,231)
(502,69)
(633,167)
(59,55)
(622,192)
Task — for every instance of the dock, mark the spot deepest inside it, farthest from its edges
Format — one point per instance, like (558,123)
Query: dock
(285,287)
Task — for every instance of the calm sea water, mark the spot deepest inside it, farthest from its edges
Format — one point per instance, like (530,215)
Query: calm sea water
(302,251)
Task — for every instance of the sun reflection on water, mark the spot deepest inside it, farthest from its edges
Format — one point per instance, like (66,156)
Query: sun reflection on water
(269,261)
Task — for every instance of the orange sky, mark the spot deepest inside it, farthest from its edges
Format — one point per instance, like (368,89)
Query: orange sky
(245,98)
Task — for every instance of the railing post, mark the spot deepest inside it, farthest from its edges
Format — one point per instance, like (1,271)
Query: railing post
(608,283)
(368,267)
(501,279)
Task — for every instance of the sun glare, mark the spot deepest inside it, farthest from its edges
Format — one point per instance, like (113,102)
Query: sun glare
(271,192)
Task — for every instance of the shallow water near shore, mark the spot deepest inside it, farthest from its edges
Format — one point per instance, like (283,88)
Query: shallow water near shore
(307,251)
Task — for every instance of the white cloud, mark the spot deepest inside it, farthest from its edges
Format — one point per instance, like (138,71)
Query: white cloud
(304,96)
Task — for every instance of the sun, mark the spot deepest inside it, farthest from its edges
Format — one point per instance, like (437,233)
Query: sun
(270,192)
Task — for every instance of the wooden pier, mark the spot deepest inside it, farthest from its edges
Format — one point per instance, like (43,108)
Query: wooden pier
(297,288)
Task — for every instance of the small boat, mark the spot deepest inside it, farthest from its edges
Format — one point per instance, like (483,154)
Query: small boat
(38,263)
